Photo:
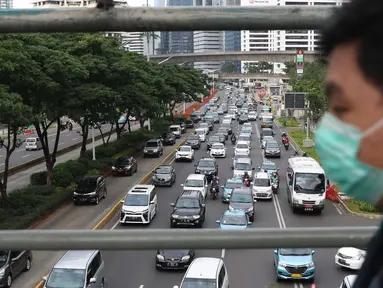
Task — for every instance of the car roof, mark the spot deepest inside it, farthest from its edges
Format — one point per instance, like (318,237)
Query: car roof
(242,142)
(141,189)
(261,175)
(196,176)
(183,146)
(190,194)
(164,166)
(204,268)
(271,141)
(75,259)
(235,180)
(243,160)
(218,144)
(242,190)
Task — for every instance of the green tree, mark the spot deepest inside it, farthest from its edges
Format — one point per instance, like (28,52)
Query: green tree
(16,116)
(229,67)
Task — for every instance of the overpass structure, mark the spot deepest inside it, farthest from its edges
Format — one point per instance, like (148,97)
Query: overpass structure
(264,76)
(266,56)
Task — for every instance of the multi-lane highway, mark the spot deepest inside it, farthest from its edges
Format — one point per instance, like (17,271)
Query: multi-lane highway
(247,268)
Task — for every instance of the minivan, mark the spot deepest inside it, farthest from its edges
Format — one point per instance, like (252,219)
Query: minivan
(153,147)
(82,269)
(206,272)
(262,186)
(33,143)
(176,129)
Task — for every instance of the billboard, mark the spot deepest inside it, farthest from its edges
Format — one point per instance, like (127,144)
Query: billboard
(295,100)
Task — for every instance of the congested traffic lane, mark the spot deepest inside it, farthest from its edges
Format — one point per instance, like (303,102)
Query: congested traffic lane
(67,138)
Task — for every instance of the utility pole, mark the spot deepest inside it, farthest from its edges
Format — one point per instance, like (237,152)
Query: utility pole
(148,56)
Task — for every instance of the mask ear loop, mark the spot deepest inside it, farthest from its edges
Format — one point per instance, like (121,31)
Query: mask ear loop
(373,128)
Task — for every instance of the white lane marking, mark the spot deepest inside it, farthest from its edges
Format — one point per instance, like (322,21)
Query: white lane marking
(61,143)
(2,164)
(20,150)
(25,156)
(141,286)
(300,285)
(223,253)
(115,225)
(75,138)
(337,209)
(257,131)
(296,285)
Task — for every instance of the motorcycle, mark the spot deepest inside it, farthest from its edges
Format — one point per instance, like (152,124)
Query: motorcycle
(246,183)
(233,140)
(296,153)
(286,144)
(274,187)
(214,192)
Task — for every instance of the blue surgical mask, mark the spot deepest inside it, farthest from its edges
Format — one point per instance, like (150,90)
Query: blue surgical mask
(337,144)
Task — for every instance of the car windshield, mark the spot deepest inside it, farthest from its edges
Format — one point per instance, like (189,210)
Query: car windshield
(243,166)
(269,166)
(217,146)
(242,146)
(192,137)
(136,200)
(173,128)
(205,163)
(241,198)
(200,132)
(3,257)
(89,184)
(152,144)
(243,138)
(204,125)
(262,182)
(267,133)
(31,140)
(163,170)
(270,144)
(294,251)
(214,139)
(234,220)
(199,283)
(222,130)
(66,278)
(193,183)
(121,161)
(187,203)
(232,184)
(184,149)
(246,128)
(312,183)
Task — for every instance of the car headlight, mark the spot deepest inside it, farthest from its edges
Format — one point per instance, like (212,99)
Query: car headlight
(267,151)
(160,257)
(357,257)
(197,171)
(321,202)
(128,167)
(281,264)
(2,272)
(175,216)
(75,193)
(185,258)
(114,168)
(310,265)
(196,216)
(145,211)
(145,151)
(92,194)
(155,150)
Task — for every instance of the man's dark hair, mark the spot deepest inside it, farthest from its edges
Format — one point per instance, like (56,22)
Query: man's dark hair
(360,21)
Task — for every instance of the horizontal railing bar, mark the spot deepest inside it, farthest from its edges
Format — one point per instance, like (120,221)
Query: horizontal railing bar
(149,239)
(162,19)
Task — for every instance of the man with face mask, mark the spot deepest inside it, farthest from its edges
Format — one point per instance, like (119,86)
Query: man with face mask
(350,136)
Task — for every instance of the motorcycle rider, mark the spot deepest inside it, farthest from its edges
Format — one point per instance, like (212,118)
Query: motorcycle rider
(246,179)
(233,138)
(214,184)
(274,177)
(285,139)
(305,154)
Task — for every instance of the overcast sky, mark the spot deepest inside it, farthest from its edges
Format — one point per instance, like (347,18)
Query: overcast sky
(26,3)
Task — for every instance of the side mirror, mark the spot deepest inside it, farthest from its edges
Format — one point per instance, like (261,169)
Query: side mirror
(182,185)
(328,182)
(203,205)
(195,165)
(152,202)
(122,201)
(232,167)
(175,286)
(222,186)
(249,223)
(255,201)
(206,186)
(259,167)
(44,278)
(171,204)
(275,251)
(253,168)
(92,280)
(218,222)
(280,146)
(251,183)
(313,252)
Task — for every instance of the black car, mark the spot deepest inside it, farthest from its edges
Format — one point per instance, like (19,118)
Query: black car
(12,263)
(224,131)
(266,132)
(242,199)
(207,167)
(168,138)
(212,140)
(239,104)
(164,175)
(243,119)
(210,122)
(196,116)
(189,123)
(91,189)
(193,141)
(189,210)
(272,149)
(222,137)
(174,259)
(124,166)
(228,127)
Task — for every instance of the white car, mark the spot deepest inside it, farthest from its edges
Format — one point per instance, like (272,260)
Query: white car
(204,126)
(244,137)
(185,153)
(201,132)
(348,281)
(242,148)
(232,115)
(252,116)
(350,257)
(218,150)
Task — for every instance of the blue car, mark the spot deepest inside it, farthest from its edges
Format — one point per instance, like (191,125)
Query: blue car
(294,264)
(237,220)
(230,184)
(268,167)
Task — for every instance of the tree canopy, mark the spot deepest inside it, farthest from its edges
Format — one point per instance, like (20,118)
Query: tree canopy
(87,77)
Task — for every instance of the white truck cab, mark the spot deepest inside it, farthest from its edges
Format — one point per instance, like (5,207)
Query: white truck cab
(306,184)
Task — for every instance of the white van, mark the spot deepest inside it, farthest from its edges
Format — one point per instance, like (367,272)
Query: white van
(262,186)
(140,205)
(201,132)
(306,184)
(196,182)
(33,143)
(206,272)
(177,130)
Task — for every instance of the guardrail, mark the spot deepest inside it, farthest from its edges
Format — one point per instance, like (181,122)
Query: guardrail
(185,238)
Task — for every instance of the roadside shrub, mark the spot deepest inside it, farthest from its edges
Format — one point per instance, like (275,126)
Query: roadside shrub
(124,153)
(62,177)
(93,172)
(75,167)
(38,178)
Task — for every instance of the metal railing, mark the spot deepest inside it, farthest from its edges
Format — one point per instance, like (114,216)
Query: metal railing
(105,17)
(185,238)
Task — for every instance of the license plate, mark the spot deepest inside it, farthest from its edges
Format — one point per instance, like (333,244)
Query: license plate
(308,206)
(296,275)
(173,264)
(341,261)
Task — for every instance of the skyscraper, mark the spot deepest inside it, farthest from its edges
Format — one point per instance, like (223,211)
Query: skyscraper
(232,39)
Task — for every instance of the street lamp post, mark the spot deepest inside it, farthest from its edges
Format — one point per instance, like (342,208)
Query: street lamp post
(93,144)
